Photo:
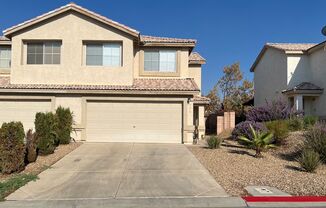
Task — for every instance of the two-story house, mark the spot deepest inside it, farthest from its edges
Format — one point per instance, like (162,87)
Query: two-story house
(296,72)
(121,86)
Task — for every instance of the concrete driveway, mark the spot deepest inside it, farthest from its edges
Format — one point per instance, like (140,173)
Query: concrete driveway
(123,170)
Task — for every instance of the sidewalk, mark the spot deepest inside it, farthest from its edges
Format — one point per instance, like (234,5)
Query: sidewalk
(193,202)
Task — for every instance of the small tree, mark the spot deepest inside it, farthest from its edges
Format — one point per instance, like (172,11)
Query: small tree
(12,148)
(31,146)
(259,142)
(65,121)
(215,104)
(46,125)
(234,89)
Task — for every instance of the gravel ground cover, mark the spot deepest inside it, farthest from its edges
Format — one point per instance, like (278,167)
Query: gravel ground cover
(45,161)
(234,167)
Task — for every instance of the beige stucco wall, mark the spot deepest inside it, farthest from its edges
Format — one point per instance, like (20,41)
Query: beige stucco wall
(270,76)
(195,73)
(318,70)
(72,29)
(298,70)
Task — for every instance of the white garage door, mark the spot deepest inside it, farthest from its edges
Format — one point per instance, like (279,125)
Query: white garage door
(23,111)
(134,122)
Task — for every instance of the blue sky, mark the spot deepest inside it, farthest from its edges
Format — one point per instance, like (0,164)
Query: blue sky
(227,31)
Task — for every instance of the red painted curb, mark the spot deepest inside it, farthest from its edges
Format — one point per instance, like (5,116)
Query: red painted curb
(285,198)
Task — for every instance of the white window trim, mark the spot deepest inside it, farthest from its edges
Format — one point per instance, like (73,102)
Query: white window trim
(102,43)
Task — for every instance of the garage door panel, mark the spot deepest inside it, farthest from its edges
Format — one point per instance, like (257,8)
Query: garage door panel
(24,111)
(134,122)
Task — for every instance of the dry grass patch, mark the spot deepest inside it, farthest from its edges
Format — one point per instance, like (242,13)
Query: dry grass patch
(44,161)
(235,167)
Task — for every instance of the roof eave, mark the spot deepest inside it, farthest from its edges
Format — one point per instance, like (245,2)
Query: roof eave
(201,62)
(124,92)
(309,92)
(154,44)
(260,55)
(5,42)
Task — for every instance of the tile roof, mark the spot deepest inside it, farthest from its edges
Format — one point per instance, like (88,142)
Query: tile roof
(196,58)
(140,84)
(201,100)
(304,86)
(153,39)
(71,6)
(291,46)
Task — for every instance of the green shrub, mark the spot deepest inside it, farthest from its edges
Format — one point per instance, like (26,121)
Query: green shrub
(315,139)
(12,148)
(309,121)
(31,147)
(280,130)
(65,121)
(295,124)
(46,125)
(309,160)
(214,142)
(259,142)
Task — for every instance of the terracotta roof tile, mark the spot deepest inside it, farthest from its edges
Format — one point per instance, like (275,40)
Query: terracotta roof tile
(138,85)
(304,86)
(291,46)
(154,39)
(201,100)
(75,7)
(196,58)
(2,38)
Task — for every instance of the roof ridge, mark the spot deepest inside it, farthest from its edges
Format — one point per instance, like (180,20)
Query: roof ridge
(67,6)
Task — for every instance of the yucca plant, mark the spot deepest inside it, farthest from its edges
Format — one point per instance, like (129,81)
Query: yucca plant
(259,142)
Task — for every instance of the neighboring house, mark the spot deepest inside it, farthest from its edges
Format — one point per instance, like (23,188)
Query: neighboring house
(296,72)
(121,86)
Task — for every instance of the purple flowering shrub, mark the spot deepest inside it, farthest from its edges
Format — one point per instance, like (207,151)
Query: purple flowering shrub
(275,110)
(315,139)
(243,129)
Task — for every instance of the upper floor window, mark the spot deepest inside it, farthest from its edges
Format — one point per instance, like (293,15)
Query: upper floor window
(5,56)
(107,54)
(43,52)
(160,60)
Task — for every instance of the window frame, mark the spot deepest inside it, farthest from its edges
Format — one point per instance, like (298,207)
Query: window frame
(143,72)
(103,43)
(8,48)
(44,43)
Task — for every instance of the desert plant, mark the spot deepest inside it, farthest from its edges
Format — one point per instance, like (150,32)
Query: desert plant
(243,129)
(214,142)
(31,147)
(295,123)
(274,110)
(309,160)
(46,125)
(315,139)
(259,142)
(65,121)
(12,148)
(280,130)
(309,121)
